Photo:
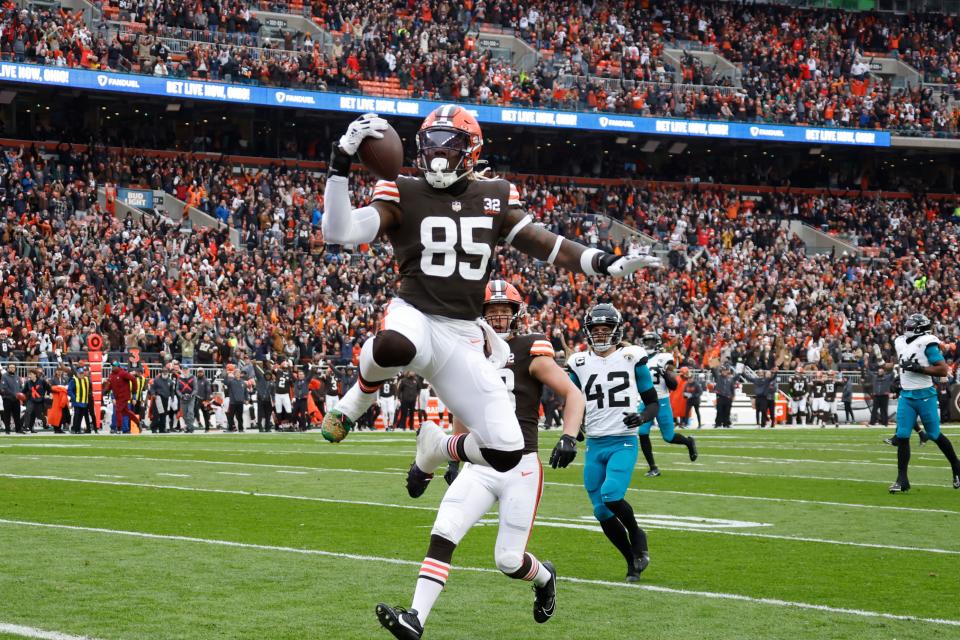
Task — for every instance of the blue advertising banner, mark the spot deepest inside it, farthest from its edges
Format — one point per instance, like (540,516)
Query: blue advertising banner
(139,198)
(323,101)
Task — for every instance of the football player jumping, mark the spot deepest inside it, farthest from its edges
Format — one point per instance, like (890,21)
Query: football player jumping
(473,492)
(614,379)
(444,225)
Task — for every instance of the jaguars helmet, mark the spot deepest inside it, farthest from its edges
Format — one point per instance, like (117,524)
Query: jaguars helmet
(652,342)
(917,324)
(603,315)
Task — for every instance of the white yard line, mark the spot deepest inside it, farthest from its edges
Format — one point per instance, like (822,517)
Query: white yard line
(235,492)
(601,583)
(233,473)
(33,632)
(566,484)
(433,509)
(223,462)
(107,475)
(646,524)
(293,473)
(174,475)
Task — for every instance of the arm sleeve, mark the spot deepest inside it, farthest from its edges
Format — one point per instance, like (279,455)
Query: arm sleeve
(341,223)
(576,379)
(644,379)
(933,353)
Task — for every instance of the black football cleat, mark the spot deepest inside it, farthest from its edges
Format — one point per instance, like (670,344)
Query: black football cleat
(653,473)
(642,562)
(892,441)
(692,449)
(417,481)
(900,486)
(545,597)
(635,568)
(956,479)
(401,623)
(924,438)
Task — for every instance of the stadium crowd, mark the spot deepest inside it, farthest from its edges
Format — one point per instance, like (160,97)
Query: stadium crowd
(796,66)
(737,286)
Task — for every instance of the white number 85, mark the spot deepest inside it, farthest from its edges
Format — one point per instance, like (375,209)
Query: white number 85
(447,247)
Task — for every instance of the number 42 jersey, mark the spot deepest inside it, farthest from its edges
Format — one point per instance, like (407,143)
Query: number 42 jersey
(609,385)
(444,242)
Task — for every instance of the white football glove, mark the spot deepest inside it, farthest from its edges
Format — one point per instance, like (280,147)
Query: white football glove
(369,125)
(626,265)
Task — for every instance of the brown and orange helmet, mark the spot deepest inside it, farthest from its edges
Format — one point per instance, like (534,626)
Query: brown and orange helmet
(448,145)
(502,292)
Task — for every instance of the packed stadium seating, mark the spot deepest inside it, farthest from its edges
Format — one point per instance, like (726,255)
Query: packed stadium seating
(795,66)
(736,280)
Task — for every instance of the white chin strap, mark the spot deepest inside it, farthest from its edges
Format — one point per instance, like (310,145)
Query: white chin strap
(438,178)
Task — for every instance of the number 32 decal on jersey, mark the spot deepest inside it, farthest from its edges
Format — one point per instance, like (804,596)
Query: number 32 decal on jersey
(447,247)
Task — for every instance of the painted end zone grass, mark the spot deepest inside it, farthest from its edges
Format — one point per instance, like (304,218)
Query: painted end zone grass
(107,585)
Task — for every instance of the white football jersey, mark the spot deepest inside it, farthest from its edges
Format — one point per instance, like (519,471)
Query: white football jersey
(915,350)
(609,385)
(660,360)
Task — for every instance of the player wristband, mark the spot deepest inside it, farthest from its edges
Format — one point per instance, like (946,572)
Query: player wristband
(339,164)
(588,262)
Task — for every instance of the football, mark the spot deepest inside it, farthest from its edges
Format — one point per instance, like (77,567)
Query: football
(383,157)
(21,397)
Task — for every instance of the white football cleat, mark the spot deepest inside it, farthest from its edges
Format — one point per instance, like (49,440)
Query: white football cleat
(430,452)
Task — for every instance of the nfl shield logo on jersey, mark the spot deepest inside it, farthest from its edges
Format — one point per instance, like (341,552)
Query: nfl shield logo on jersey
(457,206)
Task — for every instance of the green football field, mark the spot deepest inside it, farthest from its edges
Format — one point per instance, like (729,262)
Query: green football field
(771,534)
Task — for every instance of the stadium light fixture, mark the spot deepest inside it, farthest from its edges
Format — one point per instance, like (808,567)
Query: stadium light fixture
(650,146)
(815,151)
(677,148)
(621,140)
(173,107)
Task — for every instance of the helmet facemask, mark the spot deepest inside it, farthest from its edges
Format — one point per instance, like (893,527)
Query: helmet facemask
(503,317)
(603,336)
(444,155)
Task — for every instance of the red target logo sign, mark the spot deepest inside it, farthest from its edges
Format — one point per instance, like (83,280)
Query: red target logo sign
(94,342)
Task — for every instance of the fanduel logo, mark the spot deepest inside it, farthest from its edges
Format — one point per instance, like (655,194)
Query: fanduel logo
(757,132)
(283,97)
(610,122)
(110,81)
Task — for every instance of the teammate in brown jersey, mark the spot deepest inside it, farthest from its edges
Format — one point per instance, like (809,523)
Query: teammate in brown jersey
(531,365)
(444,225)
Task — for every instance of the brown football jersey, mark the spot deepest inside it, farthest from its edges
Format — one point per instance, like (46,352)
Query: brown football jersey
(444,242)
(525,390)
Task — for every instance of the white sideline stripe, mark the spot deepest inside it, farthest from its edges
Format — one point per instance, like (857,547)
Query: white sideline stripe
(32,632)
(232,473)
(107,475)
(743,460)
(565,484)
(674,526)
(433,509)
(174,475)
(294,473)
(602,583)
(799,477)
(689,469)
(234,492)
(769,499)
(220,462)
